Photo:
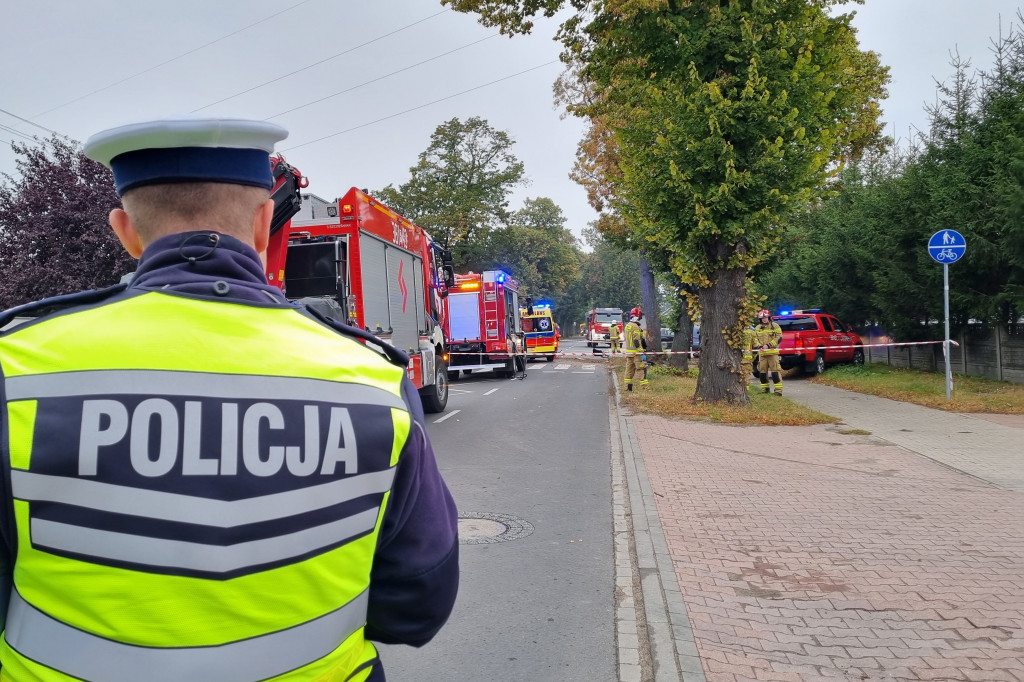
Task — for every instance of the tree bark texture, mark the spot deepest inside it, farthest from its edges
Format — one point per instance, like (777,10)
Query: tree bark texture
(681,340)
(718,379)
(649,294)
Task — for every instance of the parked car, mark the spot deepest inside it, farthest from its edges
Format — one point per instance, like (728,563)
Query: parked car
(666,337)
(813,340)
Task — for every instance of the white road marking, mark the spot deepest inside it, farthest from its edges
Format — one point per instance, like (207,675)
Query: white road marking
(450,414)
(491,391)
(561,367)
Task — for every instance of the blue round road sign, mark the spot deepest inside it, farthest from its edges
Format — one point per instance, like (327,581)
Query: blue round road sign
(947,246)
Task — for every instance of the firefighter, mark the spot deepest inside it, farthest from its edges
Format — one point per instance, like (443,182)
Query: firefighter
(613,337)
(767,335)
(636,349)
(252,494)
(747,363)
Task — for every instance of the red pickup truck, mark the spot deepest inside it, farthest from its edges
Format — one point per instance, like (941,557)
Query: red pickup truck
(813,339)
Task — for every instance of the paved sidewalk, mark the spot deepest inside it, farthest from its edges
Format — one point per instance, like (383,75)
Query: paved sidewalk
(803,553)
(991,451)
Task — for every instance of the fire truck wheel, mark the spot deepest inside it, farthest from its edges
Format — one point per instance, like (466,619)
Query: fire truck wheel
(818,367)
(551,358)
(435,396)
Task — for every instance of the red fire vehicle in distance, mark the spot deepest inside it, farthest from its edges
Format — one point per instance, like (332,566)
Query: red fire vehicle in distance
(813,340)
(357,261)
(599,320)
(484,326)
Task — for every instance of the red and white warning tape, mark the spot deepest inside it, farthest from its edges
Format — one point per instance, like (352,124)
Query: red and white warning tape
(784,351)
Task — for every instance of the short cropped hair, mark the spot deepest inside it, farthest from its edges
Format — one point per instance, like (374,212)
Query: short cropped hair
(163,209)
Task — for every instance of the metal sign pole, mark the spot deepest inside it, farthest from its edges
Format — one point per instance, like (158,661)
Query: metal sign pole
(945,342)
(945,247)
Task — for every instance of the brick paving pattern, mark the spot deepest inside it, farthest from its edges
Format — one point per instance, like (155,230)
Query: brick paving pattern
(807,554)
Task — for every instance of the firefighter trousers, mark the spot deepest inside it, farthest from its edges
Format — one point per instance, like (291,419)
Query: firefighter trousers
(769,362)
(746,369)
(633,365)
(615,345)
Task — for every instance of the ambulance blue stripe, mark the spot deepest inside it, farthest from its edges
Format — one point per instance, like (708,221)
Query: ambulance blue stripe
(191,556)
(74,652)
(197,384)
(155,504)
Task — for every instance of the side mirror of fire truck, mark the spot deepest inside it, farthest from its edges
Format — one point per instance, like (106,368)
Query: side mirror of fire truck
(449,276)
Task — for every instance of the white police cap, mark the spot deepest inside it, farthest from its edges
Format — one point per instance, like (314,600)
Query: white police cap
(229,150)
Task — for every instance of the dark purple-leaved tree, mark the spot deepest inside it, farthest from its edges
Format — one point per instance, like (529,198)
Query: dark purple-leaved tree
(54,236)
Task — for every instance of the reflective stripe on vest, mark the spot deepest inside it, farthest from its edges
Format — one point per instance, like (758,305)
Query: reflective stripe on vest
(180,515)
(164,383)
(170,554)
(48,641)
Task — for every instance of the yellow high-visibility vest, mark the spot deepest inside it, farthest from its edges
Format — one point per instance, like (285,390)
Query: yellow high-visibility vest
(198,491)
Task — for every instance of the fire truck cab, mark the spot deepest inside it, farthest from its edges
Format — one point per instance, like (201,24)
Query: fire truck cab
(599,320)
(359,262)
(484,327)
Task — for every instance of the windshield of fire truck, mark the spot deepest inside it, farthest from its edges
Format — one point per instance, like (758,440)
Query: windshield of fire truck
(607,318)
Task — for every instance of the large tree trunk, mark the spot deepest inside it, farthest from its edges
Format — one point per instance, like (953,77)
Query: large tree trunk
(682,338)
(649,294)
(718,379)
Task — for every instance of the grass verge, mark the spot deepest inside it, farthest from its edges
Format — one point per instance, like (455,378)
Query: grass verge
(970,394)
(670,394)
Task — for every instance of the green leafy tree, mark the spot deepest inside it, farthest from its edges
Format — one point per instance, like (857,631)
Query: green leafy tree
(536,248)
(459,190)
(727,115)
(54,236)
(861,253)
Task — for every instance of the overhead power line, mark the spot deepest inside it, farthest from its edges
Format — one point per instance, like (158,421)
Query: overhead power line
(380,78)
(322,61)
(174,59)
(29,122)
(421,106)
(8,129)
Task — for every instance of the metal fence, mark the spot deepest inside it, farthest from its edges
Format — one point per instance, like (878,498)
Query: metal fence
(993,352)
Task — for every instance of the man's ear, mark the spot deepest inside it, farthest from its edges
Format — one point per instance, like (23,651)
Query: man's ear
(126,232)
(261,227)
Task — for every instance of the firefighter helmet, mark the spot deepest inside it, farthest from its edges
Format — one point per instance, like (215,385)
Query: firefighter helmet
(763,312)
(636,312)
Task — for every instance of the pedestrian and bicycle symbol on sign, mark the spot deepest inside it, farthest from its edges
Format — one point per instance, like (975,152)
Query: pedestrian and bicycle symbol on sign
(947,246)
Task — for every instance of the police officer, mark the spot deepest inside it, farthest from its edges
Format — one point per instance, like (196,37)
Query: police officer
(767,335)
(205,481)
(613,337)
(636,349)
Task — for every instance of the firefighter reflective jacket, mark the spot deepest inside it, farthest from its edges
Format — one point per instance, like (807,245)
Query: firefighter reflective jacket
(768,336)
(613,332)
(748,341)
(634,338)
(183,507)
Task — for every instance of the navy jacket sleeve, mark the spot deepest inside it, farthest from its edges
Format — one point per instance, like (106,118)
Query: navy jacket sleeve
(415,573)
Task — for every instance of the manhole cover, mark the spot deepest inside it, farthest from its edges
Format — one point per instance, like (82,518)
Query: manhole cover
(479,528)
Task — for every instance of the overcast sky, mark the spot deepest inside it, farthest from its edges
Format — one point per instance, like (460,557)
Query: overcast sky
(362,85)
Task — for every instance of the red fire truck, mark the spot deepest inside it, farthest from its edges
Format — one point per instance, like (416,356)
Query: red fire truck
(357,261)
(484,325)
(598,322)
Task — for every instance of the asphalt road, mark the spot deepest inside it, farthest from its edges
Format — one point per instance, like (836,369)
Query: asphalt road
(529,458)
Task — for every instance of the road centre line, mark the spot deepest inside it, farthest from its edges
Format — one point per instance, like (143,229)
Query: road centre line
(450,414)
(491,391)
